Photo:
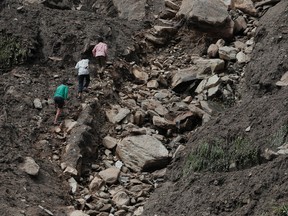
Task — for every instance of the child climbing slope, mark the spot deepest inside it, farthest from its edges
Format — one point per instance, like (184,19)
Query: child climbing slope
(60,96)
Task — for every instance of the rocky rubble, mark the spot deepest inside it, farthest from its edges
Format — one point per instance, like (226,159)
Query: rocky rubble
(154,113)
(152,119)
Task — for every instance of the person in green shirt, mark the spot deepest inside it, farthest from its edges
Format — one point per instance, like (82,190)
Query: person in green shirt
(60,95)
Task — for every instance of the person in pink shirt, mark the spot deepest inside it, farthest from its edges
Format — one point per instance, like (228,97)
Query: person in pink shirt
(100,53)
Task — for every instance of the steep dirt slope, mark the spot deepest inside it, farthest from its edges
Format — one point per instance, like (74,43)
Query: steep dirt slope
(40,36)
(260,189)
(37,34)
(53,40)
(41,46)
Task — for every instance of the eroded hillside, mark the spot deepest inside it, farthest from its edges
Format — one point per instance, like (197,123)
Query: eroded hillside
(177,91)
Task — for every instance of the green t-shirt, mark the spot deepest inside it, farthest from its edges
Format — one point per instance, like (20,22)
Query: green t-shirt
(62,91)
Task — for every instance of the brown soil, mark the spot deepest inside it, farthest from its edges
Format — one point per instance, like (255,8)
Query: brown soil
(256,190)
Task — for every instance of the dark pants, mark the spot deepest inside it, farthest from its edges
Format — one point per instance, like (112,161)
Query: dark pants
(83,82)
(101,61)
(59,102)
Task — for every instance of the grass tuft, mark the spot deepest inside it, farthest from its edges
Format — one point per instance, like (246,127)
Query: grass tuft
(282,210)
(219,155)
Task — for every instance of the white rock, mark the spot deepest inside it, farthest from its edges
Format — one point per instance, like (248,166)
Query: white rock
(118,164)
(78,213)
(283,81)
(248,129)
(30,166)
(213,91)
(37,103)
(73,184)
(242,57)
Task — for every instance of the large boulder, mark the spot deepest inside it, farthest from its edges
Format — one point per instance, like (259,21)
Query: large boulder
(183,79)
(142,153)
(208,16)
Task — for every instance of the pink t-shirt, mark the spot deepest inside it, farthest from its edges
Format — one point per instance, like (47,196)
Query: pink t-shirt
(100,50)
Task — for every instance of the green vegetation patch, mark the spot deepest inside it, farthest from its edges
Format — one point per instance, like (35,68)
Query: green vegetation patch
(282,210)
(224,155)
(279,137)
(221,155)
(12,52)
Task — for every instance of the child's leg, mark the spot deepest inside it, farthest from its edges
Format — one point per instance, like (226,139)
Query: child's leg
(102,63)
(80,84)
(58,113)
(87,81)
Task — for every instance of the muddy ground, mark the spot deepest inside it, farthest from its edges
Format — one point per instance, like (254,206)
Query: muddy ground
(46,33)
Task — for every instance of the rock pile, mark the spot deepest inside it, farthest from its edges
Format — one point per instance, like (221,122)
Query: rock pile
(152,119)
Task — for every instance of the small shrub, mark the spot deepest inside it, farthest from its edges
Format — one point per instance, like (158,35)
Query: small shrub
(218,155)
(12,52)
(282,210)
(208,157)
(278,138)
(243,153)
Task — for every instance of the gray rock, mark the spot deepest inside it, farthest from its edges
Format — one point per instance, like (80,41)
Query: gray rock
(212,51)
(227,53)
(246,6)
(209,16)
(240,24)
(109,142)
(140,74)
(182,79)
(142,153)
(96,183)
(117,115)
(121,198)
(110,175)
(171,5)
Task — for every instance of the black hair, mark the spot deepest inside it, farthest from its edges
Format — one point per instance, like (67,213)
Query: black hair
(84,55)
(100,39)
(64,81)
